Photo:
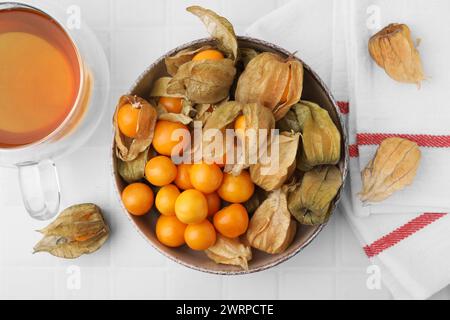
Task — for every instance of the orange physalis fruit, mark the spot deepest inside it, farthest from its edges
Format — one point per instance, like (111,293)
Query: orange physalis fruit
(191,206)
(209,54)
(170,231)
(236,189)
(171,104)
(137,198)
(206,177)
(214,203)
(164,140)
(200,236)
(127,120)
(165,199)
(160,171)
(183,181)
(232,221)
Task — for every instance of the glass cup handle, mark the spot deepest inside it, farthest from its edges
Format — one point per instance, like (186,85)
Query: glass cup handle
(39,185)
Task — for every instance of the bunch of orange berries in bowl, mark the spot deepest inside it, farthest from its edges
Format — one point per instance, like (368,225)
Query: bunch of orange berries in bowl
(195,201)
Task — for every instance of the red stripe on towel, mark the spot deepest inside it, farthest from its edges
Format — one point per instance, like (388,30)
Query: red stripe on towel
(353,151)
(423,140)
(343,107)
(401,233)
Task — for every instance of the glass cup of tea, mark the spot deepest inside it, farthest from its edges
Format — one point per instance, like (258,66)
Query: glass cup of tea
(54,86)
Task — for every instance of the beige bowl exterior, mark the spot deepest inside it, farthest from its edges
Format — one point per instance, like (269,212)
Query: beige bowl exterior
(314,90)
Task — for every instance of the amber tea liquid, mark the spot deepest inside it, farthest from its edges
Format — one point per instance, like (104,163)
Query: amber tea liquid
(39,76)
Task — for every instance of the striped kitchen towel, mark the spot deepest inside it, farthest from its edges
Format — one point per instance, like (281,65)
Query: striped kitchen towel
(408,235)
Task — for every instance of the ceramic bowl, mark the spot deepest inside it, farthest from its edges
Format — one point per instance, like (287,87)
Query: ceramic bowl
(314,90)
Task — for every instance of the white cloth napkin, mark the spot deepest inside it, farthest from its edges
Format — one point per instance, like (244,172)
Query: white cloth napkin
(411,248)
(386,107)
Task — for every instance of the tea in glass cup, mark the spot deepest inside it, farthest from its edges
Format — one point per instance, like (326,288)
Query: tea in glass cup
(54,84)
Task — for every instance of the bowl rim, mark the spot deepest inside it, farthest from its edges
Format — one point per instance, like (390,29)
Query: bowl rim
(281,258)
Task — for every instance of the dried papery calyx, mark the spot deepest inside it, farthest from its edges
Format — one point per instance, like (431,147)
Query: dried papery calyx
(77,230)
(310,201)
(393,167)
(321,140)
(203,111)
(289,122)
(246,55)
(271,81)
(220,29)
(393,50)
(174,62)
(128,149)
(219,119)
(254,139)
(258,197)
(134,170)
(176,117)
(230,251)
(223,115)
(273,175)
(271,228)
(204,81)
(159,89)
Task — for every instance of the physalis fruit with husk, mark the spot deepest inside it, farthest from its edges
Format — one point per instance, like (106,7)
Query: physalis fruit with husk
(205,80)
(273,175)
(393,50)
(216,124)
(246,55)
(174,62)
(77,230)
(321,140)
(256,117)
(230,251)
(134,170)
(393,168)
(310,201)
(271,81)
(254,138)
(272,228)
(128,148)
(159,92)
(219,28)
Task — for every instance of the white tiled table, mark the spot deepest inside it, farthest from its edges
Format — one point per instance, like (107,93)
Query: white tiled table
(134,33)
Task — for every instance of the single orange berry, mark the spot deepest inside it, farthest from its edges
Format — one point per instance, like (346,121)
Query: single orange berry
(137,198)
(168,136)
(236,189)
(165,199)
(170,231)
(127,120)
(200,236)
(209,54)
(171,104)
(183,181)
(160,171)
(191,206)
(231,221)
(214,203)
(206,177)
